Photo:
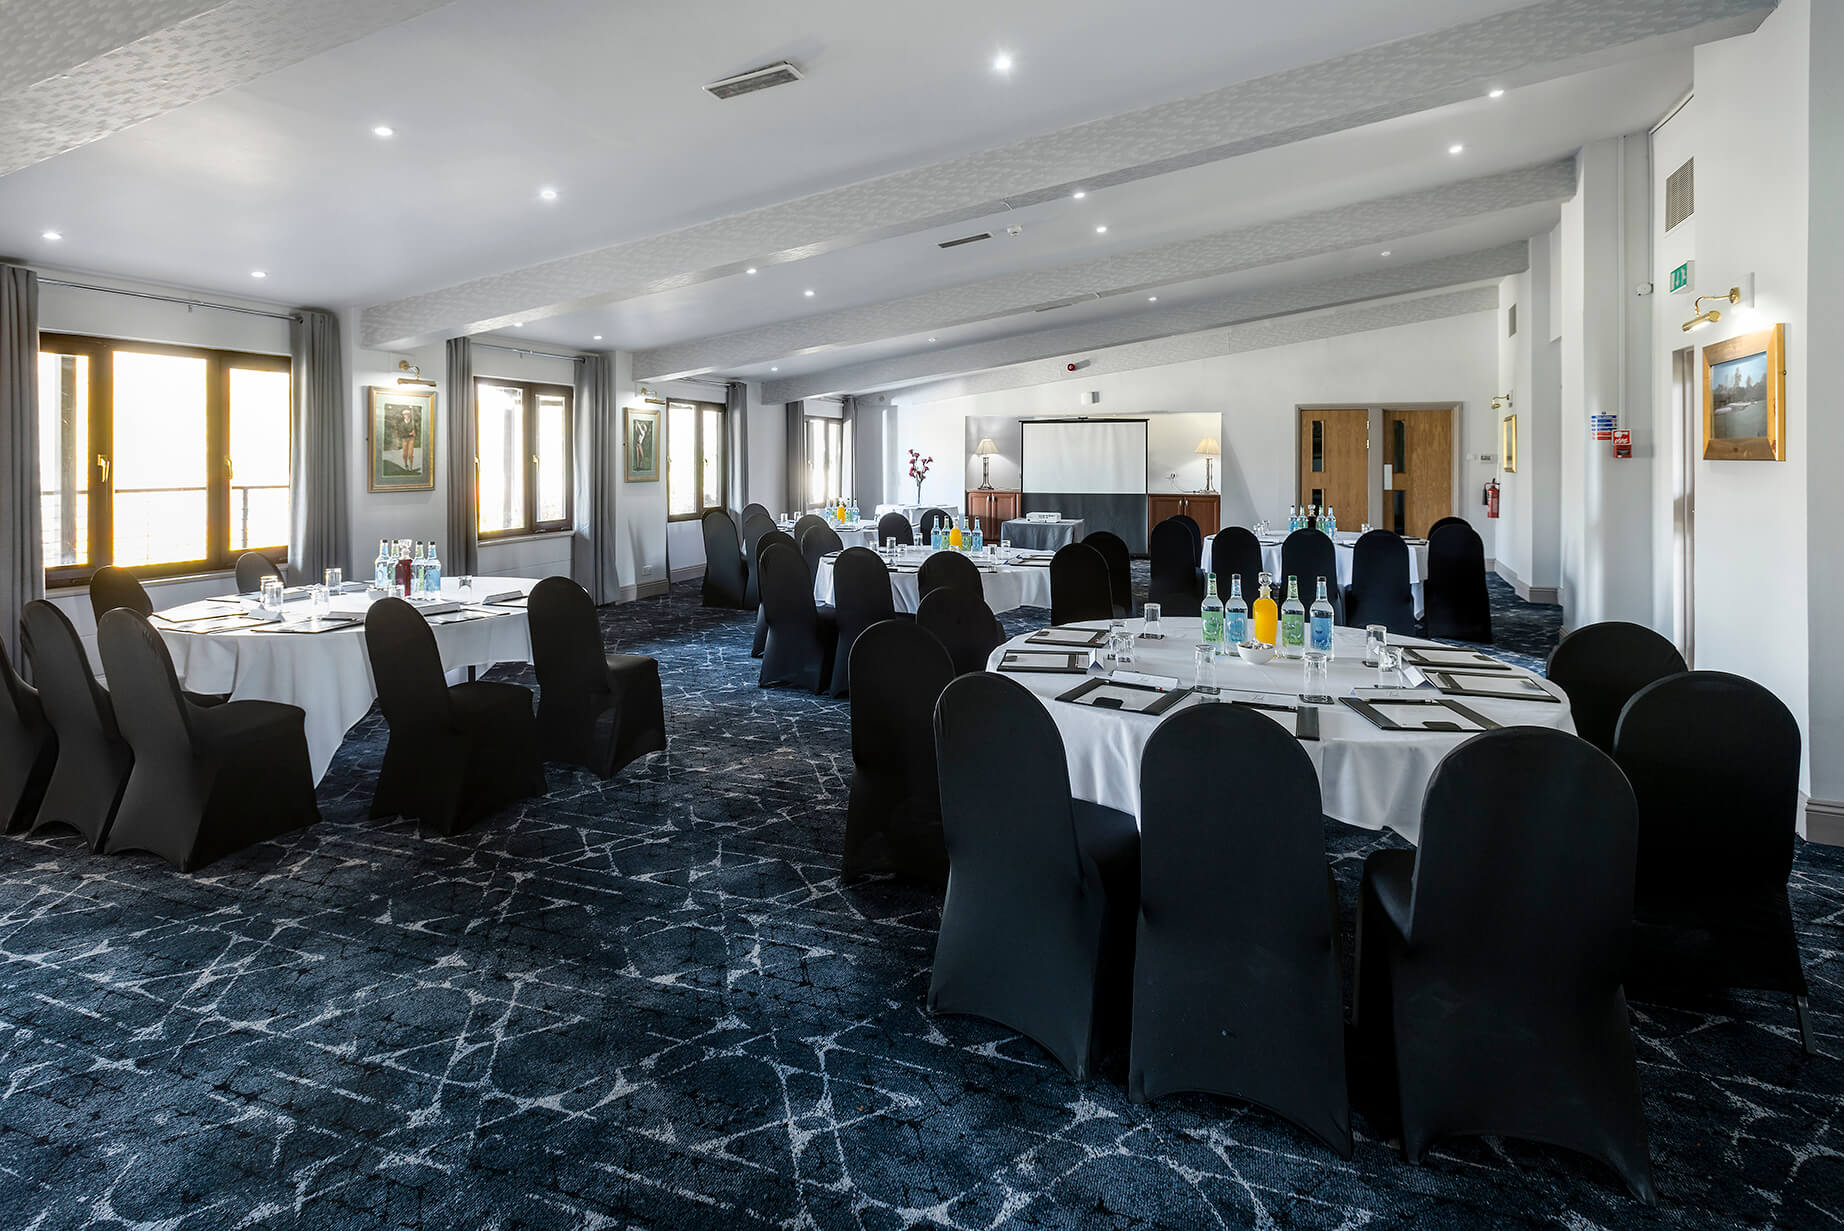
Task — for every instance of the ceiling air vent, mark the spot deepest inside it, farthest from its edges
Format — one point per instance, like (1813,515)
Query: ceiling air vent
(965,239)
(769,75)
(1681,194)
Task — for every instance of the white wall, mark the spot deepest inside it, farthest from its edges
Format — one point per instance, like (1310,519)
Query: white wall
(1823,435)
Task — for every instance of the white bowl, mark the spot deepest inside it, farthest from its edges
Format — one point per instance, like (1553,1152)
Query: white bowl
(1255,653)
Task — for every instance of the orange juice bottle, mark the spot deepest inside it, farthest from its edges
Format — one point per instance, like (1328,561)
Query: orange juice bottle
(954,539)
(1266,615)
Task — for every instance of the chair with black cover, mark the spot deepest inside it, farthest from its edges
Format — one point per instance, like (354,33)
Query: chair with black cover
(801,634)
(1079,585)
(803,523)
(860,598)
(948,568)
(1447,521)
(206,780)
(1310,555)
(1602,666)
(28,749)
(252,568)
(1490,960)
(752,509)
(456,752)
(595,709)
(1236,983)
(896,526)
(893,819)
(112,586)
(1043,889)
(93,758)
(755,572)
(1380,591)
(726,580)
(1175,585)
(816,543)
(1197,536)
(1113,549)
(960,619)
(1714,762)
(1454,598)
(755,525)
(932,518)
(1236,552)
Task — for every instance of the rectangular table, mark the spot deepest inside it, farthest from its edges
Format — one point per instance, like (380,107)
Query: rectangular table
(1043,535)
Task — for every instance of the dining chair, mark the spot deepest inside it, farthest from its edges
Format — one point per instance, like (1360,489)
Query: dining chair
(948,568)
(1113,549)
(457,752)
(1043,889)
(860,598)
(252,567)
(1236,983)
(816,543)
(930,519)
(755,509)
(893,815)
(1175,584)
(28,749)
(205,780)
(755,525)
(1490,960)
(726,580)
(960,619)
(112,586)
(1380,591)
(595,709)
(1236,552)
(1455,601)
(1310,555)
(801,635)
(1602,666)
(1079,585)
(1714,761)
(1197,536)
(896,526)
(755,547)
(93,759)
(804,523)
(1446,521)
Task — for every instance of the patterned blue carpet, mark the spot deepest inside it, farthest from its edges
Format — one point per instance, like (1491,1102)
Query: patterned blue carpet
(649,1004)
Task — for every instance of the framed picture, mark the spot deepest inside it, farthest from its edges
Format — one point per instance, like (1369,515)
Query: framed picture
(402,439)
(1744,398)
(642,447)
(1507,442)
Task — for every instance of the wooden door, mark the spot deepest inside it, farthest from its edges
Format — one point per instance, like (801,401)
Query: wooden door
(1418,469)
(1335,463)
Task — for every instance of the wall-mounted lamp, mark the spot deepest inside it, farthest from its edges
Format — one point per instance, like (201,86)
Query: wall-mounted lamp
(985,451)
(1500,401)
(415,377)
(1209,450)
(1703,318)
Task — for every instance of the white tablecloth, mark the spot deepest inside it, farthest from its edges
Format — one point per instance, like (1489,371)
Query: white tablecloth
(329,674)
(1367,777)
(863,534)
(1043,535)
(1008,587)
(1345,542)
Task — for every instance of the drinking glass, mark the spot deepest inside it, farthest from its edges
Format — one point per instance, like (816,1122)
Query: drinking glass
(1204,670)
(272,595)
(1122,641)
(1389,660)
(1149,624)
(1005,545)
(1376,637)
(335,579)
(317,602)
(465,581)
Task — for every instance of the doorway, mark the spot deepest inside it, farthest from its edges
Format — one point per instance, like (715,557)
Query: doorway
(1334,468)
(1417,469)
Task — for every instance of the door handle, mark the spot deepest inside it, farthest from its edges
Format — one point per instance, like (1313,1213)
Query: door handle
(102,463)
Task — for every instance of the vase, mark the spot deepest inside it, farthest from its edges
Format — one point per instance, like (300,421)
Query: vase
(918,491)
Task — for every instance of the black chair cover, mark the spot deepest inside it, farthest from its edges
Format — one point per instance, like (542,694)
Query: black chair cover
(895,526)
(803,523)
(726,580)
(755,509)
(1113,549)
(1079,585)
(93,758)
(1236,552)
(1454,597)
(893,820)
(206,780)
(252,567)
(1602,666)
(1175,585)
(1197,536)
(860,598)
(817,542)
(1309,555)
(930,519)
(595,709)
(948,568)
(960,619)
(768,536)
(28,749)
(1380,591)
(112,587)
(1490,961)
(755,525)
(1043,890)
(1446,521)
(1236,983)
(456,753)
(800,635)
(1714,761)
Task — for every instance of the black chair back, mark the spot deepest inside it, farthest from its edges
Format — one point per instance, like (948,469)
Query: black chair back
(755,509)
(1197,536)
(932,518)
(1113,549)
(726,581)
(1380,592)
(755,525)
(893,819)
(28,748)
(861,595)
(93,760)
(1457,605)
(1237,988)
(566,638)
(960,619)
(150,710)
(1175,585)
(112,587)
(1236,552)
(252,567)
(948,568)
(805,522)
(1079,585)
(895,526)
(771,535)
(1309,555)
(794,652)
(1446,521)
(1601,668)
(406,666)
(817,542)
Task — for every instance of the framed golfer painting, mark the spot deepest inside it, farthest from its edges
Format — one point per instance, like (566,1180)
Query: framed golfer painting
(642,444)
(1744,398)
(402,439)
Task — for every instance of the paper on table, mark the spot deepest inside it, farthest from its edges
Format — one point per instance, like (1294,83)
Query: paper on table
(1042,660)
(1132,700)
(1164,682)
(1425,717)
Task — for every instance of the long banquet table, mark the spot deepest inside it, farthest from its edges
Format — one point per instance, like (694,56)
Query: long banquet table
(329,674)
(1367,777)
(1007,586)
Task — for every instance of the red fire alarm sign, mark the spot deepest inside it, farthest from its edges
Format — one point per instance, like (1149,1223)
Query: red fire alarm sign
(1623,442)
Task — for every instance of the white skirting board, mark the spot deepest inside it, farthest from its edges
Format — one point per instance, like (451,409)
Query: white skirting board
(1525,591)
(1822,820)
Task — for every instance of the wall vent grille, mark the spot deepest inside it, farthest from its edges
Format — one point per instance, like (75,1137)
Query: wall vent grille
(769,75)
(965,239)
(1681,194)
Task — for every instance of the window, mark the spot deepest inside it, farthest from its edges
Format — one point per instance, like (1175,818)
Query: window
(829,474)
(164,459)
(522,450)
(695,458)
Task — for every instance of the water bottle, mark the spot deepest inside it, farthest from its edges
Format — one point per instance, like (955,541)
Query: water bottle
(1293,622)
(416,569)
(1331,521)
(432,572)
(1236,614)
(381,567)
(1212,613)
(1319,633)
(979,537)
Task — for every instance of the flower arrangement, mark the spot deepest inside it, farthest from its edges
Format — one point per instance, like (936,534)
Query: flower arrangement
(918,470)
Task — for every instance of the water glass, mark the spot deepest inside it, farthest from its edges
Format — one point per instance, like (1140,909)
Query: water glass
(272,595)
(1149,625)
(1204,670)
(1376,637)
(465,581)
(1389,660)
(1121,642)
(1005,545)
(335,579)
(318,603)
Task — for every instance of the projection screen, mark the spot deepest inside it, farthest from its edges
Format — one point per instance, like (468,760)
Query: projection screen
(1094,469)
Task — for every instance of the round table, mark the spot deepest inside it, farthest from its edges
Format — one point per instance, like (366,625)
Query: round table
(1007,587)
(1367,777)
(1346,543)
(329,674)
(863,534)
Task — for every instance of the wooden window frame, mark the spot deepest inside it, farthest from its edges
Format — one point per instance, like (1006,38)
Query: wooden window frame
(836,424)
(723,445)
(533,390)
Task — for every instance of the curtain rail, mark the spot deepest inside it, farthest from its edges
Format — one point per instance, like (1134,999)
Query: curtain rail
(190,303)
(526,350)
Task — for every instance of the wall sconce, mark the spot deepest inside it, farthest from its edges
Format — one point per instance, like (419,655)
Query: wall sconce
(985,451)
(1209,450)
(1703,318)
(415,377)
(1500,401)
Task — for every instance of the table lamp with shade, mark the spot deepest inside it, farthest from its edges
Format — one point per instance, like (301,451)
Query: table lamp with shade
(985,451)
(1207,449)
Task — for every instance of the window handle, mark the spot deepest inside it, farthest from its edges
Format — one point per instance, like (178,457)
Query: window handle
(103,463)
(230,470)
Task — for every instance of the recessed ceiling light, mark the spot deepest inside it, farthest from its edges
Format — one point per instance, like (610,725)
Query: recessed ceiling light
(518,324)
(931,339)
(384,130)
(1152,299)
(1002,63)
(1078,194)
(597,338)
(750,270)
(52,235)
(1385,252)
(1102,229)
(259,273)
(808,292)
(1496,92)
(774,369)
(1455,148)
(548,194)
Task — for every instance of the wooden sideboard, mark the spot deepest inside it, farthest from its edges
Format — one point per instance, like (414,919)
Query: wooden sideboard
(990,508)
(1204,508)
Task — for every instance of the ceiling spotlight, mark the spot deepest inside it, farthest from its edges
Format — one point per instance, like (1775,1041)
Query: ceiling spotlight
(52,235)
(259,273)
(384,130)
(1496,92)
(1455,148)
(1102,229)
(931,339)
(808,292)
(750,270)
(548,194)
(597,338)
(1078,194)
(1385,252)
(518,324)
(1002,63)
(1152,299)
(774,369)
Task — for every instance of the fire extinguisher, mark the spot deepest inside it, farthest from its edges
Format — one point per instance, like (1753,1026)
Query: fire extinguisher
(1491,498)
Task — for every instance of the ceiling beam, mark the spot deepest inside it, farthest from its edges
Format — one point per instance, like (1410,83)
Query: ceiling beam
(82,70)
(1538,42)
(1186,318)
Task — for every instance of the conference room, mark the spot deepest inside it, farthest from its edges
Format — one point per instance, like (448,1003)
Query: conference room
(1170,618)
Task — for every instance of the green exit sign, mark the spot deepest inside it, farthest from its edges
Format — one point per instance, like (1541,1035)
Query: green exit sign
(1680,278)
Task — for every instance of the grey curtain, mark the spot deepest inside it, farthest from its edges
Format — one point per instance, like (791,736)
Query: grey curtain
(319,534)
(848,465)
(461,554)
(597,453)
(22,547)
(797,458)
(736,400)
